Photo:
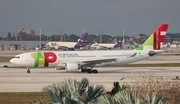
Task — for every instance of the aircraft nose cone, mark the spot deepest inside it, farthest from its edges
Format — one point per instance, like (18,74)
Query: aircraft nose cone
(12,60)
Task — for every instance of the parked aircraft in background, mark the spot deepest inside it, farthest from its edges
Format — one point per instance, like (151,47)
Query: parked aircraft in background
(69,45)
(133,45)
(72,61)
(107,45)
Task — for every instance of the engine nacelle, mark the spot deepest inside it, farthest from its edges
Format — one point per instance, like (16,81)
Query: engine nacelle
(70,67)
(59,68)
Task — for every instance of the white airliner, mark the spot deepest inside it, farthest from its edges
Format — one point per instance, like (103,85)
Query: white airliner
(69,45)
(107,45)
(85,60)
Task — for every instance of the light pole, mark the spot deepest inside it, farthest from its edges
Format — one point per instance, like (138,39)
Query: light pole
(100,35)
(61,34)
(83,31)
(123,35)
(40,38)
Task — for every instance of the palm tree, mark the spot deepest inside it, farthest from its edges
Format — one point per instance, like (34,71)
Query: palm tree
(72,91)
(153,98)
(92,93)
(106,99)
(131,97)
(36,102)
(116,88)
(127,97)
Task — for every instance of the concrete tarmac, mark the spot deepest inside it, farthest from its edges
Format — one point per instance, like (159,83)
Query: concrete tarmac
(17,80)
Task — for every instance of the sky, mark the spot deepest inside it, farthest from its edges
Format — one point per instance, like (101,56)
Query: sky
(95,16)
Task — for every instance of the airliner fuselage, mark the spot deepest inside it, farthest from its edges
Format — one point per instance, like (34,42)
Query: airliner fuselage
(53,59)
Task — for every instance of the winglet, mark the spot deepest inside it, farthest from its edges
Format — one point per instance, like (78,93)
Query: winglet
(155,40)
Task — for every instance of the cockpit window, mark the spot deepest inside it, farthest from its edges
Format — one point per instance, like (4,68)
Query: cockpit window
(17,57)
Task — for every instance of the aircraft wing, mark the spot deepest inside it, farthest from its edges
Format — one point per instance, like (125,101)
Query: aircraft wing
(91,61)
(97,61)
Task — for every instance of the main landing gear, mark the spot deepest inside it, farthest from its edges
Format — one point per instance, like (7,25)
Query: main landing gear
(89,71)
(28,70)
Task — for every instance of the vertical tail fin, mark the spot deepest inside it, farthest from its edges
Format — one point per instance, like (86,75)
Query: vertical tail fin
(82,42)
(155,40)
(84,38)
(119,44)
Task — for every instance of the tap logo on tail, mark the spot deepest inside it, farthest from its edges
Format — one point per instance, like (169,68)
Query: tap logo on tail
(155,40)
(159,36)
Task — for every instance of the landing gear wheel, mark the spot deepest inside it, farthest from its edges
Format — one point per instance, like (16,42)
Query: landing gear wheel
(95,71)
(83,70)
(28,71)
(89,71)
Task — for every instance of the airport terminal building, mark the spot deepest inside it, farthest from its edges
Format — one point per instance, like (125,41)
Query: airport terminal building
(16,32)
(19,45)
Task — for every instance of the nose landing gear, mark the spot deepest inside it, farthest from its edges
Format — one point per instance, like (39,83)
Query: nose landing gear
(28,70)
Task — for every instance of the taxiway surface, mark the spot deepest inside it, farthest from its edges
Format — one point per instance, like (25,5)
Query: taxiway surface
(17,80)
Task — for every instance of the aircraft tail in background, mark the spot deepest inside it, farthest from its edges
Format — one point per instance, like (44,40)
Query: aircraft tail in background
(156,39)
(119,44)
(82,42)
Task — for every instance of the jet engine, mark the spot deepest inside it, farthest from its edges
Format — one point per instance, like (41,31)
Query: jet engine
(70,67)
(152,53)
